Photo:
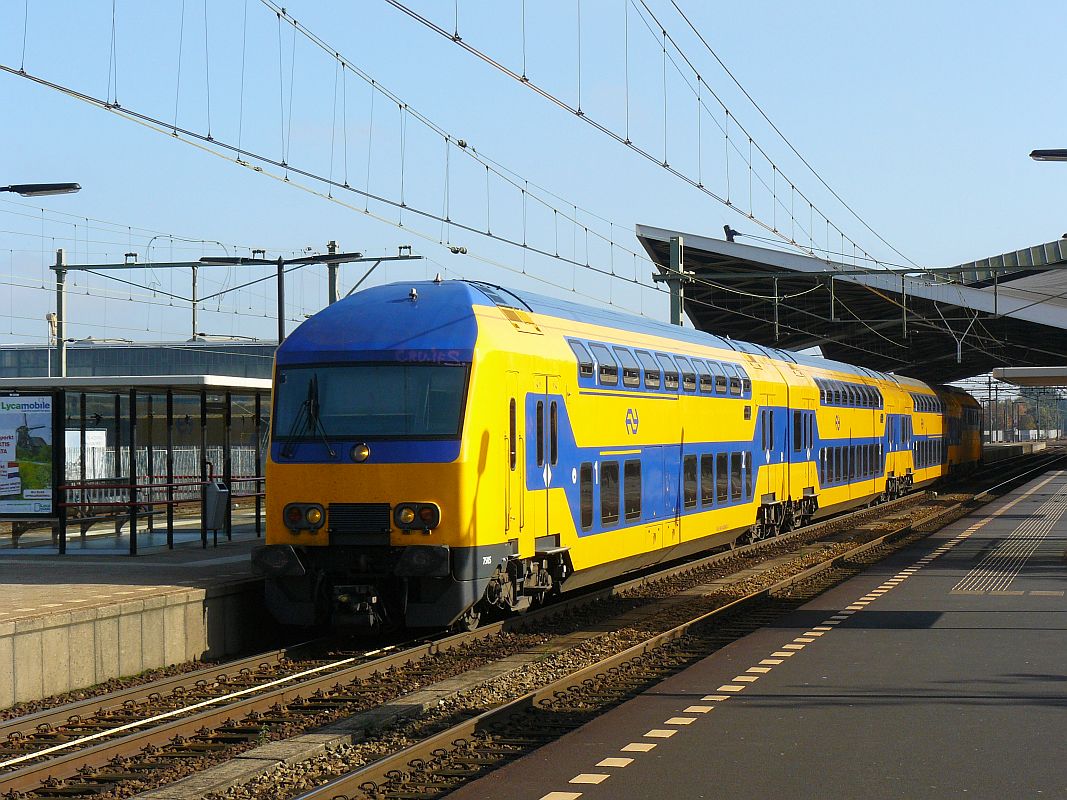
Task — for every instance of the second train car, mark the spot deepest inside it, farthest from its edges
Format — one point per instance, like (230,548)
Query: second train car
(443,447)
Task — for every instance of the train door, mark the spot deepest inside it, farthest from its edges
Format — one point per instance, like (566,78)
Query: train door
(672,479)
(513,470)
(546,456)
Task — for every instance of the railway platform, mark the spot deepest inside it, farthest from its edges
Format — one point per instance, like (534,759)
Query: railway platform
(939,672)
(69,622)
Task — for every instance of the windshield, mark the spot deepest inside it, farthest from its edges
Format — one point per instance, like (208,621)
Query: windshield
(367,401)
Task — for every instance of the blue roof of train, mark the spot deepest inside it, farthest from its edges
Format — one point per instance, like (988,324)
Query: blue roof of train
(383,320)
(577,312)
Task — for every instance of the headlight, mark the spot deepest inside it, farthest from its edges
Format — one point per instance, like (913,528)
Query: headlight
(405,515)
(360,452)
(313,515)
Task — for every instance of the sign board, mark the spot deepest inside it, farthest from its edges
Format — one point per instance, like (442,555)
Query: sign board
(26,469)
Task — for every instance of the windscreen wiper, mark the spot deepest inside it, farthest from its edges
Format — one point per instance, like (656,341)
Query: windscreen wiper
(313,414)
(298,424)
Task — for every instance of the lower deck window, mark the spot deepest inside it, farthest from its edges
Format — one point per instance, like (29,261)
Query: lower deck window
(723,477)
(609,492)
(632,489)
(735,476)
(585,487)
(689,481)
(707,480)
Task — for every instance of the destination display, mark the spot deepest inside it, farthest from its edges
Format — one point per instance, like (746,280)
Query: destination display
(26,455)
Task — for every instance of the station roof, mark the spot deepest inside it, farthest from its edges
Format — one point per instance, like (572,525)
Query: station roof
(152,383)
(937,325)
(1033,376)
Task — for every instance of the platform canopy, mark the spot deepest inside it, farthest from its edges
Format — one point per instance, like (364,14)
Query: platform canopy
(937,325)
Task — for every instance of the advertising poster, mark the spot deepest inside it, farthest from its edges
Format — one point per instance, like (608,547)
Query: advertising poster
(26,455)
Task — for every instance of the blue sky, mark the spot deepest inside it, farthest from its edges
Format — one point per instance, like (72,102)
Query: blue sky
(920,115)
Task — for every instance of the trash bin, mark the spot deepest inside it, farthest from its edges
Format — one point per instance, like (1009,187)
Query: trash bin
(216,502)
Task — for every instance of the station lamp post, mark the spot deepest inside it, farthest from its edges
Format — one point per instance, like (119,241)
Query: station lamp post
(1056,154)
(41,189)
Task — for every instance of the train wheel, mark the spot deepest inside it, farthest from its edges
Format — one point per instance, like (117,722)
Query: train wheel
(469,621)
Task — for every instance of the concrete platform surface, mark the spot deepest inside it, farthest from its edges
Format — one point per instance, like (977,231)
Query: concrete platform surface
(68,622)
(941,672)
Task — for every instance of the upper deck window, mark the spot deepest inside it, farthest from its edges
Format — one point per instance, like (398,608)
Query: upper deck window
(585,361)
(746,384)
(689,376)
(631,372)
(719,376)
(670,372)
(607,369)
(707,385)
(735,379)
(369,401)
(652,371)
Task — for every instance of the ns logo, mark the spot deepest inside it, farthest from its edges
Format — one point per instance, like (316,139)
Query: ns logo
(631,421)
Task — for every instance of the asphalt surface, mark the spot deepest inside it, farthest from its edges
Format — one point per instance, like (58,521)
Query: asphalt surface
(940,672)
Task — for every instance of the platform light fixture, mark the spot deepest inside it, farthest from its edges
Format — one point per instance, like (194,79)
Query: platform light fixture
(41,189)
(1055,154)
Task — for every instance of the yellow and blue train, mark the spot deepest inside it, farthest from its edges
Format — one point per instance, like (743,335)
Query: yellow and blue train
(444,447)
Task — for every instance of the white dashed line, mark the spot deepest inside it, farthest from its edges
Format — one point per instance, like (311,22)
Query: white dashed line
(590,777)
(741,682)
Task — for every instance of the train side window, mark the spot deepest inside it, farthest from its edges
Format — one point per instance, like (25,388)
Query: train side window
(851,463)
(748,478)
(746,384)
(607,369)
(540,433)
(831,476)
(609,493)
(585,361)
(837,393)
(707,479)
(689,376)
(735,476)
(512,445)
(690,482)
(553,434)
(798,431)
(722,491)
(652,371)
(822,391)
(720,377)
(631,372)
(585,485)
(632,488)
(822,466)
(670,372)
(707,385)
(735,381)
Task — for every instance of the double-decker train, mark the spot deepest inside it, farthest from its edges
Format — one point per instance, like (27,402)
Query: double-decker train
(444,447)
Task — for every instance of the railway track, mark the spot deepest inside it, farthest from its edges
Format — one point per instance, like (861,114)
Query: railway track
(152,734)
